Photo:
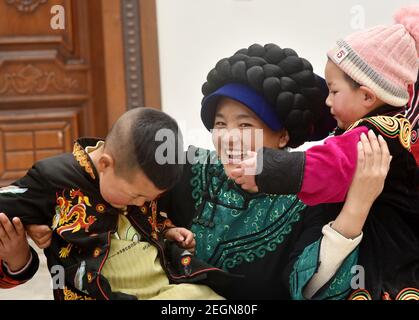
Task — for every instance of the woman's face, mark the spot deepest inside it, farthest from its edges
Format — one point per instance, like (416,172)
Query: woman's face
(237,130)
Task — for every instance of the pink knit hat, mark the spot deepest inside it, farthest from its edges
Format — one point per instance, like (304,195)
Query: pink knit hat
(384,59)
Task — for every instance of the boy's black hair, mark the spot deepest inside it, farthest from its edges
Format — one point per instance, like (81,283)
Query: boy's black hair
(133,144)
(286,80)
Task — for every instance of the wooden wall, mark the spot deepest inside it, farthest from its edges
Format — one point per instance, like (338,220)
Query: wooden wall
(57,85)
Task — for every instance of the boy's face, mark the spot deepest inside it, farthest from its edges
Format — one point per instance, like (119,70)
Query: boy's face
(237,129)
(345,102)
(120,192)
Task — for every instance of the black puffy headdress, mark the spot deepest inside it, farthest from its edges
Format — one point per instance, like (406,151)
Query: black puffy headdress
(285,80)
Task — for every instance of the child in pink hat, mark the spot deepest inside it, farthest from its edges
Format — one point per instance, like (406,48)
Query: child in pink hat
(368,74)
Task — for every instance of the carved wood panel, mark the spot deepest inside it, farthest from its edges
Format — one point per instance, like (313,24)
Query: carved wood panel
(28,137)
(60,84)
(45,82)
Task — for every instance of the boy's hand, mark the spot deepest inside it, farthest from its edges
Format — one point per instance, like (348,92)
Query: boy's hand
(184,238)
(40,234)
(244,175)
(14,248)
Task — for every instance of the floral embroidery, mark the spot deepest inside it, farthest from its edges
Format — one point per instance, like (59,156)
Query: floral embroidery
(96,252)
(90,277)
(186,261)
(83,159)
(100,208)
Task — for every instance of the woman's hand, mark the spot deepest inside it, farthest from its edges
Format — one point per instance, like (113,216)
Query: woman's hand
(368,183)
(14,248)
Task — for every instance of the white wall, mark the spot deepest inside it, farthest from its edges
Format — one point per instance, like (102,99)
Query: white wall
(195,34)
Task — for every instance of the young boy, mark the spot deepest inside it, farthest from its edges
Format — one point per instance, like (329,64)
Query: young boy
(18,261)
(107,241)
(368,74)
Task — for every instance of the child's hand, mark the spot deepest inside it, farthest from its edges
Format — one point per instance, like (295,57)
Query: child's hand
(244,175)
(184,238)
(40,234)
(14,248)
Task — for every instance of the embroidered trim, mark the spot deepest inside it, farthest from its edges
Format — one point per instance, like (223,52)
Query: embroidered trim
(71,295)
(408,294)
(153,220)
(360,294)
(391,127)
(83,159)
(404,294)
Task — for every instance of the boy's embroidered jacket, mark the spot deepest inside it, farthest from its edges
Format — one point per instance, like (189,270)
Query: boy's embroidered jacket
(63,192)
(389,251)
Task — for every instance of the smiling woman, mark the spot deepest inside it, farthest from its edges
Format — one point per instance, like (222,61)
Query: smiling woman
(238,130)
(258,236)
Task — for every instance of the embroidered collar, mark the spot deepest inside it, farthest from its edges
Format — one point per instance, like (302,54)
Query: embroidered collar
(385,110)
(389,122)
(82,156)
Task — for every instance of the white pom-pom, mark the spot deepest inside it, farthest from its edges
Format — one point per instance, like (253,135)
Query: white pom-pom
(409,18)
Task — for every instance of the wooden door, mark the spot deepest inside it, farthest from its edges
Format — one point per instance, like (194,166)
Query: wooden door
(59,84)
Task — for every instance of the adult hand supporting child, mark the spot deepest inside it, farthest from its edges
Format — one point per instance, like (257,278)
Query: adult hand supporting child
(14,248)
(368,182)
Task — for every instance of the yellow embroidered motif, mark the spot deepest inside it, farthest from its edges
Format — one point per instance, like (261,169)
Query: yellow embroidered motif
(391,127)
(404,294)
(65,251)
(408,294)
(83,160)
(70,295)
(72,218)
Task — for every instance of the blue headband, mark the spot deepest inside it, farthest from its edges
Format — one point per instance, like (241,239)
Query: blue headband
(243,94)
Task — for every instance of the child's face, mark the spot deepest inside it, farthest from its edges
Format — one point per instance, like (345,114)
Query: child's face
(345,102)
(119,192)
(237,129)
